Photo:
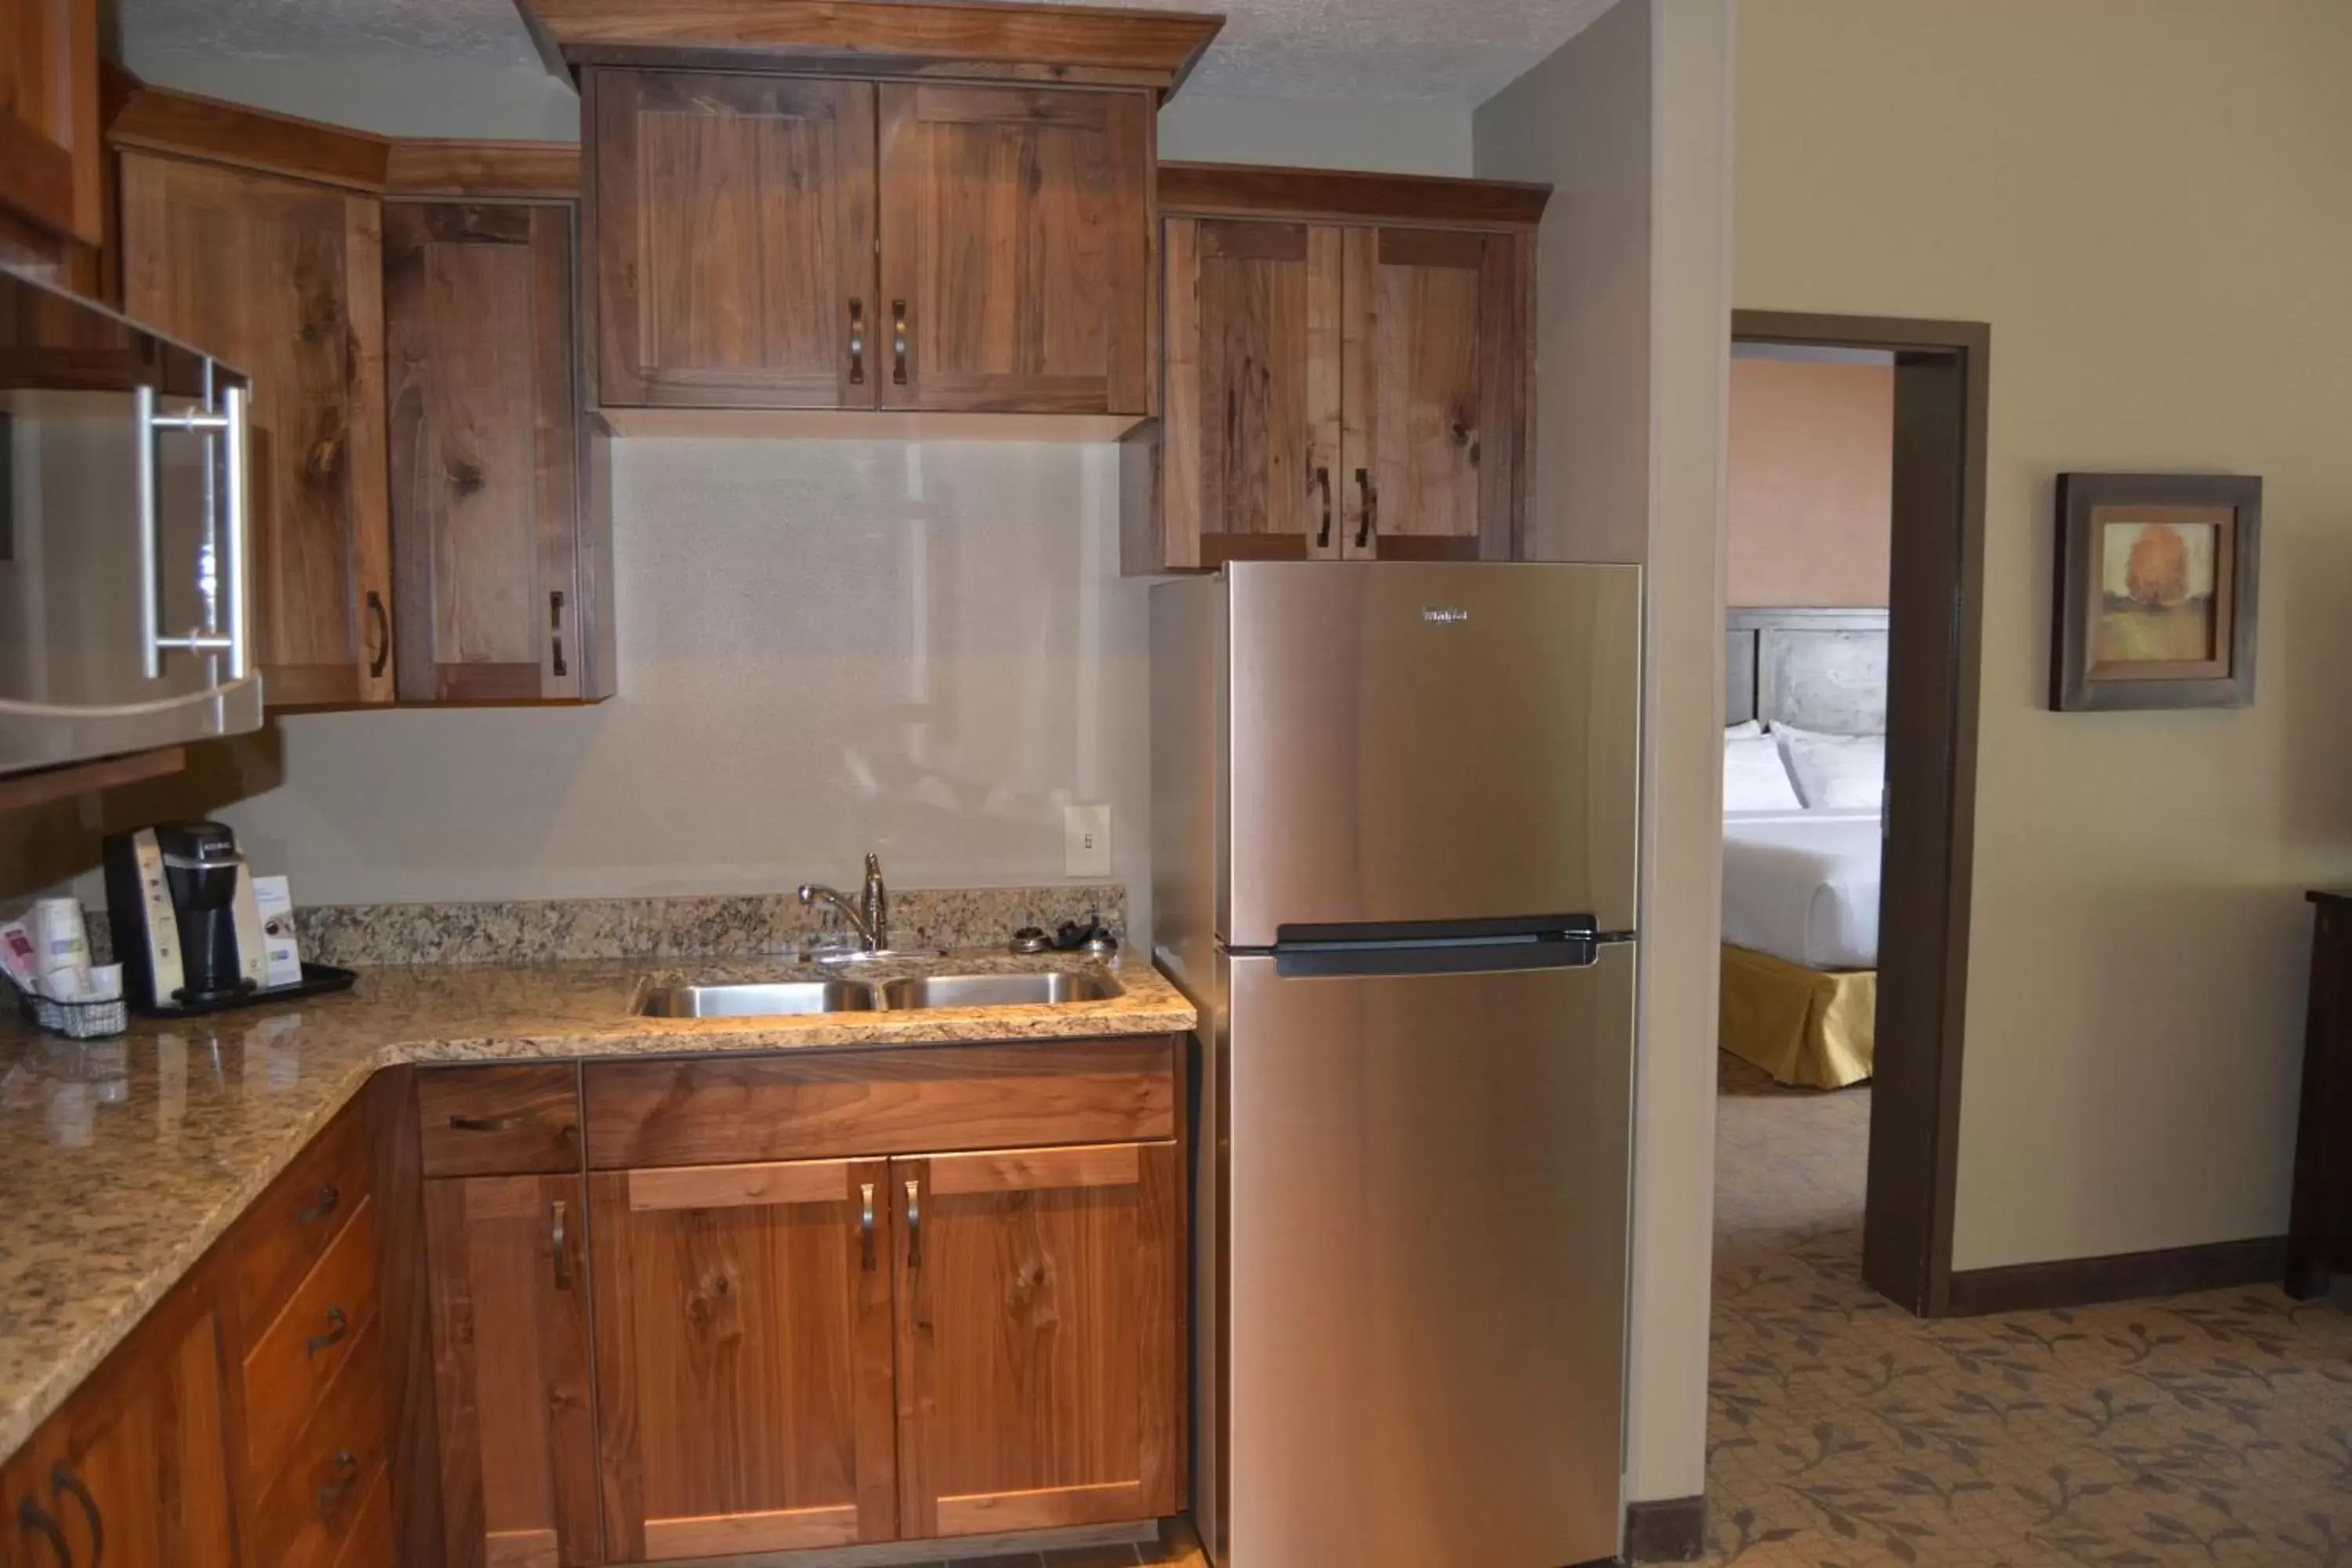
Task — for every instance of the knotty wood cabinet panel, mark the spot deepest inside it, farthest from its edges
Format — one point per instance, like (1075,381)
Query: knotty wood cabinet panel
(1041,1370)
(1251,404)
(139,1454)
(283,280)
(743,1356)
(485,460)
(733,230)
(1434,354)
(293,1360)
(1016,248)
(51,161)
(834,1104)
(510,1351)
(520,1119)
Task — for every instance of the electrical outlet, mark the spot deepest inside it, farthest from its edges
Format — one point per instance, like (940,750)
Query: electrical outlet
(1085,841)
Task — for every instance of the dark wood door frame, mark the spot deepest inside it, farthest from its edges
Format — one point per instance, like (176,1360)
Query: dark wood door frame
(1936,595)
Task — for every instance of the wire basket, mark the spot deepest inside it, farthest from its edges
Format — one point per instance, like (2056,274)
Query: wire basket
(75,1020)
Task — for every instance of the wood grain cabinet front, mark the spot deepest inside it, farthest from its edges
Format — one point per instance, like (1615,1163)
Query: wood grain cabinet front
(509,1294)
(51,161)
(793,242)
(507,1120)
(283,278)
(743,1357)
(492,548)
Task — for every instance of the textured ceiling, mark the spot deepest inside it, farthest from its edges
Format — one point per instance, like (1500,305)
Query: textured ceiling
(1455,53)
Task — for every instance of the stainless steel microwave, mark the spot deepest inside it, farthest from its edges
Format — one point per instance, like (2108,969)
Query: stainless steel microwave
(126,609)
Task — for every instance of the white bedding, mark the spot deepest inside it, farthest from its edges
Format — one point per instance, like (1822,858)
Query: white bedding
(1803,886)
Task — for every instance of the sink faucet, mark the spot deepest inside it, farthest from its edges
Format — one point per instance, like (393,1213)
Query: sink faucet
(869,916)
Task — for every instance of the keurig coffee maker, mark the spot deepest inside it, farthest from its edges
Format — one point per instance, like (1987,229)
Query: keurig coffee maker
(186,930)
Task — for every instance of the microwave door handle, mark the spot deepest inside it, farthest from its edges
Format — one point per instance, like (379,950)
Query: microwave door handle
(151,587)
(235,524)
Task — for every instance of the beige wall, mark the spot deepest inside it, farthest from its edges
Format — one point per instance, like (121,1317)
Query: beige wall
(1387,137)
(1630,122)
(1812,474)
(2151,203)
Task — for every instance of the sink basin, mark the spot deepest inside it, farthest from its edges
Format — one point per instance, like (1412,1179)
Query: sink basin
(782,1000)
(996,990)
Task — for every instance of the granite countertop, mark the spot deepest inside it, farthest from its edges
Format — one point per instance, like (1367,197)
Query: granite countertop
(122,1161)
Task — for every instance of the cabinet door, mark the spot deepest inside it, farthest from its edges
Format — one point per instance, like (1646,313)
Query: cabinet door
(1434,397)
(1016,248)
(510,1370)
(744,1358)
(1252,412)
(285,280)
(135,1460)
(51,157)
(733,224)
(485,452)
(1041,1309)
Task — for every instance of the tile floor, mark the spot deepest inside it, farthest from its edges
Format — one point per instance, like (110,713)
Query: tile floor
(2212,1429)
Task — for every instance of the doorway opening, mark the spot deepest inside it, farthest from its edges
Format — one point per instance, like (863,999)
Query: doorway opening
(1846,891)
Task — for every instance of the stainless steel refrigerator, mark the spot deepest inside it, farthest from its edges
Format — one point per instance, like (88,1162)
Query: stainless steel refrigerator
(1393,862)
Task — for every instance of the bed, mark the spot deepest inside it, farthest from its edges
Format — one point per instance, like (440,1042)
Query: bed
(1801,887)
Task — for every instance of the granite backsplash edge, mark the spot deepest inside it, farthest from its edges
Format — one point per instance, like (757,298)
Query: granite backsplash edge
(365,936)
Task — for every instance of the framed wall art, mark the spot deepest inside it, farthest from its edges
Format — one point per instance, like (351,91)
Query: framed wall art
(2156,591)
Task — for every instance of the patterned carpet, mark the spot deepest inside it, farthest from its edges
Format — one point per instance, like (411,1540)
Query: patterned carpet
(2197,1429)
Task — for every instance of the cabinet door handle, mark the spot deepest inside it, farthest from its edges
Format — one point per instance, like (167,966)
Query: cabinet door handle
(329,1196)
(382,621)
(866,1225)
(1323,478)
(31,1518)
(914,1225)
(347,1469)
(485,1123)
(857,343)
(63,1482)
(555,628)
(898,342)
(338,1325)
(562,1250)
(1371,495)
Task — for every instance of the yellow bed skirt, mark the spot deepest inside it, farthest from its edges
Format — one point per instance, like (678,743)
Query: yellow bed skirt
(1808,1027)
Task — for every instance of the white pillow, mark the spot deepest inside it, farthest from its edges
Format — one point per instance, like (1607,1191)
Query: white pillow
(1755,778)
(1842,772)
(1748,731)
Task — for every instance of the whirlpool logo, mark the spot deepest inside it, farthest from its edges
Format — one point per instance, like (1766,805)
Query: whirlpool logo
(1444,614)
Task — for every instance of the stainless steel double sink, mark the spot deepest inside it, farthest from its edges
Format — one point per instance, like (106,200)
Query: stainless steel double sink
(909,992)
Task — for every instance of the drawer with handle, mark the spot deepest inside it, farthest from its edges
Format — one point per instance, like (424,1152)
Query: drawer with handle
(290,1228)
(294,1361)
(499,1121)
(304,1517)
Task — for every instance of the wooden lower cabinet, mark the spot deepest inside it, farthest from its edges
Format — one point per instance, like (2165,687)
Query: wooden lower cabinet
(510,1307)
(138,1459)
(743,1357)
(1039,1338)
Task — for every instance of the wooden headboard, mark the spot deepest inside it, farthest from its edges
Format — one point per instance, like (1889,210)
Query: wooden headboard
(1817,670)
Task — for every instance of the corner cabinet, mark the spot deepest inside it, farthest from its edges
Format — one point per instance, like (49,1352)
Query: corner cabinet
(1349,371)
(790,242)
(283,278)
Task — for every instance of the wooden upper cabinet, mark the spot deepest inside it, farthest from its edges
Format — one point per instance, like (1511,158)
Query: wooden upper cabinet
(1252,404)
(733,228)
(744,1358)
(510,1355)
(485,455)
(283,280)
(1349,370)
(1041,1361)
(1435,358)
(52,158)
(136,1458)
(1016,248)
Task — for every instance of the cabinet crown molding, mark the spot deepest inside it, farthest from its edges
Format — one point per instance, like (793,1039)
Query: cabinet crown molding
(1344,195)
(934,38)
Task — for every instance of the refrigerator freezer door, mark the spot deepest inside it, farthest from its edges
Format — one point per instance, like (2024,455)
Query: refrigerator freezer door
(1423,1183)
(1431,742)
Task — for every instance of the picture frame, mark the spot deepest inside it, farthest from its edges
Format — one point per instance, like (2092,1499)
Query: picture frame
(2157,591)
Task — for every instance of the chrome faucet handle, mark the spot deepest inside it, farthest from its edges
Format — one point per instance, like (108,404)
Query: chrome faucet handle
(877,906)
